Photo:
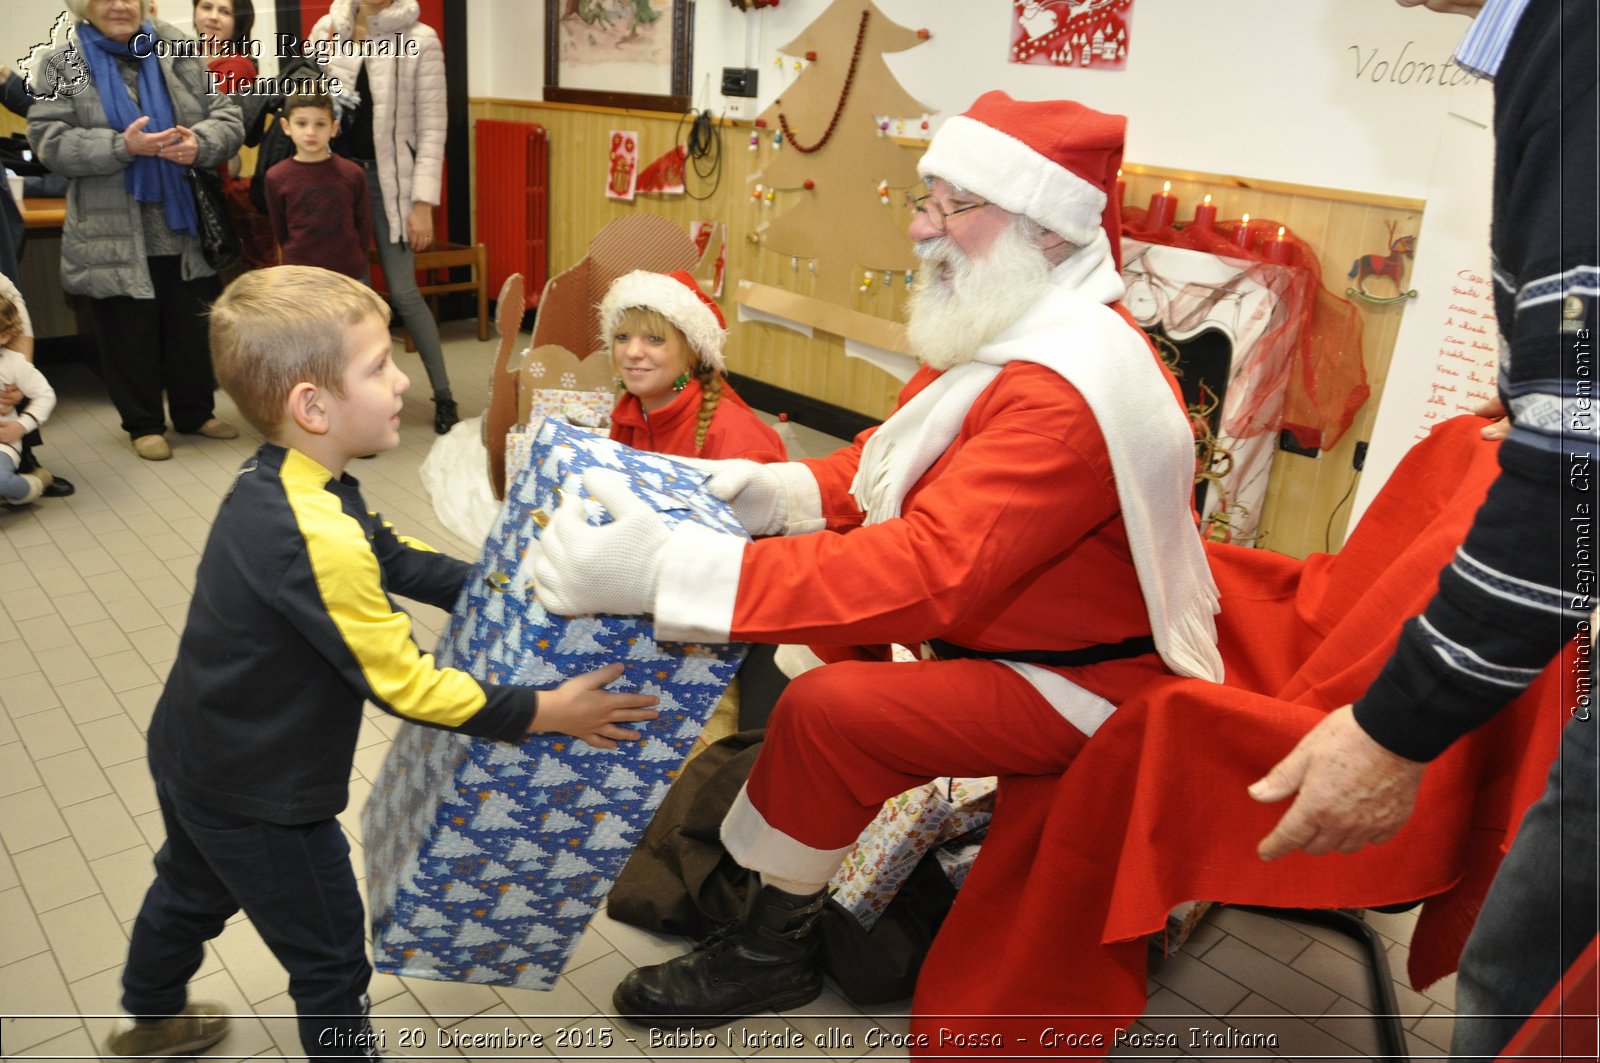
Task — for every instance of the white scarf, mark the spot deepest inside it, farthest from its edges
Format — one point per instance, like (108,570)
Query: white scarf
(1071,330)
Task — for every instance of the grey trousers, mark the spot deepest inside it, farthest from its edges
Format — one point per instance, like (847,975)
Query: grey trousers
(400,274)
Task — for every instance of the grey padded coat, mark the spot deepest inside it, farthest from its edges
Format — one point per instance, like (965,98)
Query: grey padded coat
(102,243)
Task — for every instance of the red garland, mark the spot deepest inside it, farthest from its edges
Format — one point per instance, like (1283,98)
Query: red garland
(855,58)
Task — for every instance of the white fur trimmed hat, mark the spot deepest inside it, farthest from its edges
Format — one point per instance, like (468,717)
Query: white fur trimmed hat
(676,297)
(1054,161)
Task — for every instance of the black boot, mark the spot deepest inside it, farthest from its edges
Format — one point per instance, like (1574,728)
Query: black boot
(769,961)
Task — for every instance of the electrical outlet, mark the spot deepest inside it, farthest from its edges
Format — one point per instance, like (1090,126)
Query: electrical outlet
(740,108)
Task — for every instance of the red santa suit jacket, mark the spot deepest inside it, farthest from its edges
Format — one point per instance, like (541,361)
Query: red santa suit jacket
(1011,540)
(735,432)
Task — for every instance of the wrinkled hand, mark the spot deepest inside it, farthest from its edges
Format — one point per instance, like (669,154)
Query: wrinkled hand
(419,226)
(10,395)
(1494,408)
(580,708)
(177,144)
(1352,791)
(751,489)
(11,431)
(609,568)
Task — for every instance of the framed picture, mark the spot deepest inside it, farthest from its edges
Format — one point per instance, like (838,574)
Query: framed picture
(619,53)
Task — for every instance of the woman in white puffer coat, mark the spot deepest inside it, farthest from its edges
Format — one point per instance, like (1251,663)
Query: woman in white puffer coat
(391,107)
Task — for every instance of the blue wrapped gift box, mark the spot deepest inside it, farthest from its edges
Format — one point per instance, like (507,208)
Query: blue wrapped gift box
(486,860)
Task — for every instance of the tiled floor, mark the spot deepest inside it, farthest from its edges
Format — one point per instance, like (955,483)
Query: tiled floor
(95,592)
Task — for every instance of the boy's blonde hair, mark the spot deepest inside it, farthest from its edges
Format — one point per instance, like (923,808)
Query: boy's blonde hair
(277,327)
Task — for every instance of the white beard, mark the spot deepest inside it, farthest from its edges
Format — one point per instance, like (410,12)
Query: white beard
(947,323)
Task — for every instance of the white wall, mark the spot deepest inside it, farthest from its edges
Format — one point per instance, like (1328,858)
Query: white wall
(1260,88)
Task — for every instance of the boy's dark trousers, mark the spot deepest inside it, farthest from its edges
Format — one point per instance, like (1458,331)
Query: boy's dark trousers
(298,888)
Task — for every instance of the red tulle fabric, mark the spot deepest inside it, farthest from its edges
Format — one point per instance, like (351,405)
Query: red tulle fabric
(1313,349)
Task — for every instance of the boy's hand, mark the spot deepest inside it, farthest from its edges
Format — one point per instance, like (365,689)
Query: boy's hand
(11,431)
(581,709)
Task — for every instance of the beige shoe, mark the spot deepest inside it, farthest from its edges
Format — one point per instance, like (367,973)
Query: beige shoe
(217,428)
(197,1027)
(152,448)
(35,489)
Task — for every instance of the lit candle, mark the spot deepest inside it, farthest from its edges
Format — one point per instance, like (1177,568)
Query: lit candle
(1122,188)
(1278,250)
(1205,215)
(1241,235)
(1163,208)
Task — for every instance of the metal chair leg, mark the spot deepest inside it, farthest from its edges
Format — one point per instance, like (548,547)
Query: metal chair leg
(1385,1008)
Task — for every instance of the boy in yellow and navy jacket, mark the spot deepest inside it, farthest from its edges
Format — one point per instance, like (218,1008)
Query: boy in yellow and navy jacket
(290,629)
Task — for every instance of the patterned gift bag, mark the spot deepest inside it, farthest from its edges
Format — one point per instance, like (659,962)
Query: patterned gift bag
(485,860)
(905,829)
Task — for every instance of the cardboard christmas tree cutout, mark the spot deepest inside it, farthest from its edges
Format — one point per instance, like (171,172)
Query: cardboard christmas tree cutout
(848,179)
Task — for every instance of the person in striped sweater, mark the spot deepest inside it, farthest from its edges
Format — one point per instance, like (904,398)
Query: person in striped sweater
(1521,585)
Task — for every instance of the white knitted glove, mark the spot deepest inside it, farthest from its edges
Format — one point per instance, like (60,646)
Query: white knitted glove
(607,568)
(777,499)
(752,490)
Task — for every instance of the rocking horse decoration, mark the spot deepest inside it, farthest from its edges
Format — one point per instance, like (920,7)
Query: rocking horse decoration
(1390,265)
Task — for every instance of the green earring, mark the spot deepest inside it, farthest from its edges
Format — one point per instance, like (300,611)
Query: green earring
(681,382)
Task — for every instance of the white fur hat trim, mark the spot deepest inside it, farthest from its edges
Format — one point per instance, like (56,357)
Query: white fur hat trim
(689,309)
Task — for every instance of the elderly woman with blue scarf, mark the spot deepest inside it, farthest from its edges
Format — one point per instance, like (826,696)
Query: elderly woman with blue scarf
(124,137)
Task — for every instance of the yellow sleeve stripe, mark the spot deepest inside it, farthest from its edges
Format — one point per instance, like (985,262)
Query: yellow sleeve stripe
(406,540)
(377,636)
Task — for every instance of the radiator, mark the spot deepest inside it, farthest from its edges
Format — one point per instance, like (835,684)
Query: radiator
(513,188)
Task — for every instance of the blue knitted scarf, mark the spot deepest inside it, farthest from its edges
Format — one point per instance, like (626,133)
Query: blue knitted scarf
(149,179)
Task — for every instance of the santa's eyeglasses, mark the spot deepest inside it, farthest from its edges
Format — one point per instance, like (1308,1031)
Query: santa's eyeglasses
(938,214)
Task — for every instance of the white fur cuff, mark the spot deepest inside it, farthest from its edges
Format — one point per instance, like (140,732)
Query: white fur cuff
(802,498)
(699,582)
(759,846)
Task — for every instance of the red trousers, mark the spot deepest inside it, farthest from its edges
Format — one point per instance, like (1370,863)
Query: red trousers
(846,737)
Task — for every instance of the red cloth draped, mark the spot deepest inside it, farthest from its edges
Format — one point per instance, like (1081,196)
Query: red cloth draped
(1565,1025)
(1078,870)
(1319,333)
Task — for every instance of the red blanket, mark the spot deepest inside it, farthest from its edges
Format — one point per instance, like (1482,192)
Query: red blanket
(1079,869)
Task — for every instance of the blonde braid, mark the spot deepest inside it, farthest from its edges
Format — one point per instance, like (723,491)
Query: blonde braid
(710,395)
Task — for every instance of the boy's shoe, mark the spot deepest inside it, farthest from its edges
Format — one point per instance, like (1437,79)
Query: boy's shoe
(35,489)
(197,1027)
(217,428)
(444,415)
(58,487)
(152,448)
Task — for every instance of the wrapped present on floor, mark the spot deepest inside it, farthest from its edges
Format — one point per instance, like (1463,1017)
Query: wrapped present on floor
(907,827)
(486,860)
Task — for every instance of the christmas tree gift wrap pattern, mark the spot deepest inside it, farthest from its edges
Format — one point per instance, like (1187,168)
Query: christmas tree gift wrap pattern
(938,815)
(486,860)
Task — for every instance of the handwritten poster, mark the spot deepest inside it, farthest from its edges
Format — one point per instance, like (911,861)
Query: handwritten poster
(1465,365)
(1446,354)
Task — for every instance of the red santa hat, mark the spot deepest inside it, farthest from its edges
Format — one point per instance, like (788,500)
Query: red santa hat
(1054,161)
(676,297)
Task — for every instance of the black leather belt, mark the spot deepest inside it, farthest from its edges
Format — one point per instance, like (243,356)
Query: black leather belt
(1111,651)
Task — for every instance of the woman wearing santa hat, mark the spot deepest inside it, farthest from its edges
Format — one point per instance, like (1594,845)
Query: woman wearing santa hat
(666,339)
